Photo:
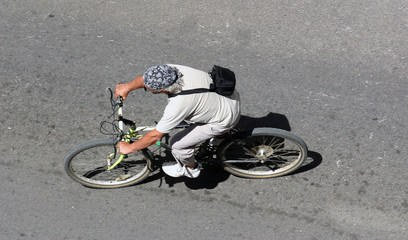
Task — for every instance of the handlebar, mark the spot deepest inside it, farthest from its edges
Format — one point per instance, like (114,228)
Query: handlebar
(117,107)
(119,99)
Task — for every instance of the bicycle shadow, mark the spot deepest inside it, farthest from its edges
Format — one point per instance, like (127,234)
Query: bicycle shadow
(272,120)
(213,174)
(314,159)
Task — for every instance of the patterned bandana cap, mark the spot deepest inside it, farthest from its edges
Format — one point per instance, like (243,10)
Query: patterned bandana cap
(160,76)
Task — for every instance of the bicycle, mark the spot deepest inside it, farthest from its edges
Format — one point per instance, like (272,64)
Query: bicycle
(260,153)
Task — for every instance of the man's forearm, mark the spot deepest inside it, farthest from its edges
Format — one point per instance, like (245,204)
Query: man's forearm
(135,83)
(147,140)
(142,143)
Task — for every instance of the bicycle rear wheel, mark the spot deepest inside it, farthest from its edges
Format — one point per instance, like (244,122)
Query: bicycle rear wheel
(264,153)
(87,164)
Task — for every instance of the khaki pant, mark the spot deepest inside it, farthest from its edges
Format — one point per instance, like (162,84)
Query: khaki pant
(184,142)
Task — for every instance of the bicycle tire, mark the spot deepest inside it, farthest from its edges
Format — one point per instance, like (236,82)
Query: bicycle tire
(262,153)
(86,164)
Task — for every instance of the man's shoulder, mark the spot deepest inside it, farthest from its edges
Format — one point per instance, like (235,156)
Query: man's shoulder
(183,67)
(193,78)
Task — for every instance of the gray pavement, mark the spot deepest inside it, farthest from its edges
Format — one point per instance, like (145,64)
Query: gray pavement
(336,71)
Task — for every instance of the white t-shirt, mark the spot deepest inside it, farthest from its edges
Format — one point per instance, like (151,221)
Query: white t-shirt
(209,107)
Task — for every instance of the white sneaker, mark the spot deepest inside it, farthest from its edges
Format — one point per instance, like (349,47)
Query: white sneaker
(177,170)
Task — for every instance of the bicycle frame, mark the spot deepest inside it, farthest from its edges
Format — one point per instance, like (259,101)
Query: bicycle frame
(133,132)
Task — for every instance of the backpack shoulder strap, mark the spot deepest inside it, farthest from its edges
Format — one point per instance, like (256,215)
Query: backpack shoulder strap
(191,91)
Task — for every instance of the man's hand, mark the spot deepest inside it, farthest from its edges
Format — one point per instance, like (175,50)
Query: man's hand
(121,90)
(146,141)
(125,148)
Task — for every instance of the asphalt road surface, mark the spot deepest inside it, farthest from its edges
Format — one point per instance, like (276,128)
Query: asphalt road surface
(333,72)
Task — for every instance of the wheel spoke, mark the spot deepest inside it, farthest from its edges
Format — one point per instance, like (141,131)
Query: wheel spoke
(274,164)
(285,152)
(278,160)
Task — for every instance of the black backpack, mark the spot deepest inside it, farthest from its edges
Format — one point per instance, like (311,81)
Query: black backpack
(223,83)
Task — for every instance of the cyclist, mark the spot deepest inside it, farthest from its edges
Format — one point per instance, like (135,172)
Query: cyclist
(211,114)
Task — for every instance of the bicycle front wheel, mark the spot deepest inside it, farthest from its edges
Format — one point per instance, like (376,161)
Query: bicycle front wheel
(264,153)
(87,164)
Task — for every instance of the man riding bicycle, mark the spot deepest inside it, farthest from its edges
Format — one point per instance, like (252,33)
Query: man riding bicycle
(211,114)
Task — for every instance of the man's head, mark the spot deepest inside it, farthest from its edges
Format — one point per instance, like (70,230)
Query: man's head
(160,77)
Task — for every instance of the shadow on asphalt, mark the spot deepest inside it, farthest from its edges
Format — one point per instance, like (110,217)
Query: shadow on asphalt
(272,120)
(316,160)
